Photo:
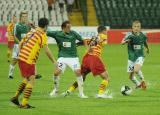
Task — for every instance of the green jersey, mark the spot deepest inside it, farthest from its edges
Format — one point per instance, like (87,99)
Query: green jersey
(20,30)
(136,45)
(66,42)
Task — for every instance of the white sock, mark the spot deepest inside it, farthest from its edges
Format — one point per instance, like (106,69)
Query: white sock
(140,75)
(80,85)
(56,82)
(135,81)
(11,69)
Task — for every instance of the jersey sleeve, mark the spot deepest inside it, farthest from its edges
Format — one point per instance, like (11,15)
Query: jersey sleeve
(78,37)
(128,36)
(52,34)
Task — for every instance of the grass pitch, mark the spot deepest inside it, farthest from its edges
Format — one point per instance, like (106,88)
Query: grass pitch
(115,58)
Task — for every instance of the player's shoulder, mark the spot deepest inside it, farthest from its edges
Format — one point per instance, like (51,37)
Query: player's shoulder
(74,32)
(144,34)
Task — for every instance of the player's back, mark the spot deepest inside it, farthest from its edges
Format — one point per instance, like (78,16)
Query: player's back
(31,45)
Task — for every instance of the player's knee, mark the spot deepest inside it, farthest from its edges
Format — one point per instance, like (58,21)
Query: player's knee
(57,72)
(105,76)
(78,72)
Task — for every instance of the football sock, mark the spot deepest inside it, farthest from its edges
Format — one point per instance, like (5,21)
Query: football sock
(73,87)
(103,86)
(27,94)
(135,81)
(11,69)
(80,85)
(140,75)
(20,88)
(56,82)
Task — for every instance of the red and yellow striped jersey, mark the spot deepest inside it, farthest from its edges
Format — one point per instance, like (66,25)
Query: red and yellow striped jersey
(31,45)
(10,31)
(97,49)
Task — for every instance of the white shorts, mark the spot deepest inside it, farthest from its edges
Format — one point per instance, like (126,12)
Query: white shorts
(15,52)
(73,63)
(131,64)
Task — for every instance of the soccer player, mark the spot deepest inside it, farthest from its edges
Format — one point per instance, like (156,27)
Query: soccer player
(20,30)
(30,47)
(92,62)
(10,37)
(136,41)
(67,56)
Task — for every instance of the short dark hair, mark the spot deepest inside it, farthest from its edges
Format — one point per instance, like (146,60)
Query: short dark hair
(101,28)
(43,22)
(64,24)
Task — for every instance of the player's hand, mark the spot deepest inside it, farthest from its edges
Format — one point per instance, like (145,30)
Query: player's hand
(147,51)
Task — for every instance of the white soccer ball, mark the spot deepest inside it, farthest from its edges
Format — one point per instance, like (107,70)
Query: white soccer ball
(126,90)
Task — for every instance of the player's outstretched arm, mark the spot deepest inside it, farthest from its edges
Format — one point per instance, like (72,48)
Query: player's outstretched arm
(124,41)
(49,54)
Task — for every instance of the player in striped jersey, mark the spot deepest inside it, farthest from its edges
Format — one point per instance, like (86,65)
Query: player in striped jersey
(10,37)
(29,52)
(20,30)
(92,62)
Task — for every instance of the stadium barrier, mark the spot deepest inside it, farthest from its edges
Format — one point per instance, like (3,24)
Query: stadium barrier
(114,36)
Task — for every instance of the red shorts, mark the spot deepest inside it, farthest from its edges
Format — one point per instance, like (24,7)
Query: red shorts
(10,44)
(26,69)
(94,64)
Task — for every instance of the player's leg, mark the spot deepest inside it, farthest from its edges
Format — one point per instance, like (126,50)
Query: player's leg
(130,70)
(9,50)
(137,70)
(28,72)
(74,86)
(134,79)
(74,64)
(14,61)
(8,54)
(80,83)
(59,69)
(28,92)
(19,91)
(103,86)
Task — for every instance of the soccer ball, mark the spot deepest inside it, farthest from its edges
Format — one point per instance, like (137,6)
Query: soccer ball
(126,90)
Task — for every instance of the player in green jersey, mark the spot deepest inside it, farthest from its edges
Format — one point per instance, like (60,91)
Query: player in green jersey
(20,30)
(136,42)
(67,55)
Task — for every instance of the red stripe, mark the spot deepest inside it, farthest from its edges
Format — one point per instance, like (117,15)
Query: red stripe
(26,50)
(30,43)
(40,32)
(28,46)
(22,52)
(22,57)
(33,40)
(39,37)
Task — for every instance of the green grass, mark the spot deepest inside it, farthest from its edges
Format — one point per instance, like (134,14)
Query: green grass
(115,57)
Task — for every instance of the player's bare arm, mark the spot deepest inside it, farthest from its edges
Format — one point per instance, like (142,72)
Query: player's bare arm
(146,46)
(49,54)
(124,41)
